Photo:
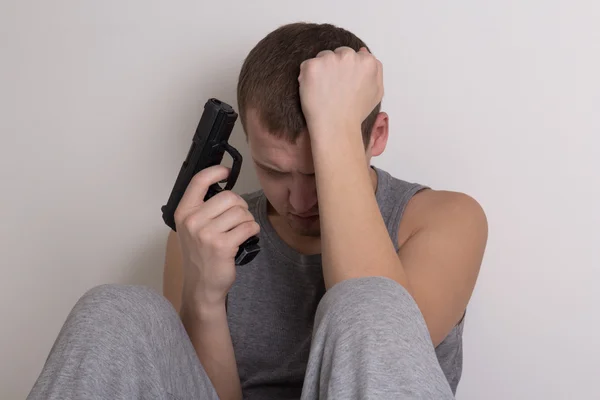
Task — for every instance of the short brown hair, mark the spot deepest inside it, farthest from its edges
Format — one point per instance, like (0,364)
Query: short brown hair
(268,80)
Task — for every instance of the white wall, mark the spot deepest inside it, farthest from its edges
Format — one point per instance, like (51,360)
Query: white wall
(498,99)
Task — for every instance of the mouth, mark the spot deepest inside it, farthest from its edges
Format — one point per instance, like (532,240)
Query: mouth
(305,218)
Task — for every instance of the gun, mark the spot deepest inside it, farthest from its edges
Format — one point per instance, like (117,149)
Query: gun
(209,144)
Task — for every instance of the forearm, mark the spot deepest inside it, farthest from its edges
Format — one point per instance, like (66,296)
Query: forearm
(355,240)
(209,332)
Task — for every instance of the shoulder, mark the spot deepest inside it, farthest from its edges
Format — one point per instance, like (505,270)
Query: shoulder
(255,201)
(448,212)
(443,244)
(424,208)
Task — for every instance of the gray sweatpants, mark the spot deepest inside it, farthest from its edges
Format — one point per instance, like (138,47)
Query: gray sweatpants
(370,341)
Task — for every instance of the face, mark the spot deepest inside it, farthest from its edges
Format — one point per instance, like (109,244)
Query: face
(287,176)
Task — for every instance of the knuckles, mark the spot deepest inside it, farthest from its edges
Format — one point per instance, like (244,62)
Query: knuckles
(229,198)
(178,217)
(221,245)
(239,212)
(191,222)
(205,235)
(342,55)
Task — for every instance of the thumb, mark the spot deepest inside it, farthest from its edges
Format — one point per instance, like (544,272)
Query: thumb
(198,186)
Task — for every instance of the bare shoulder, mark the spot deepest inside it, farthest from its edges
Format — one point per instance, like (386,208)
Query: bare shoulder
(442,240)
(449,211)
(173,272)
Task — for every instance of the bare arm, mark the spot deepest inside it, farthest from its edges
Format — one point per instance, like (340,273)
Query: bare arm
(359,246)
(439,260)
(206,326)
(173,272)
(442,254)
(438,264)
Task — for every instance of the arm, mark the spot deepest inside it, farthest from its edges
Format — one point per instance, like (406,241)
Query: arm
(358,246)
(338,90)
(445,235)
(206,326)
(439,262)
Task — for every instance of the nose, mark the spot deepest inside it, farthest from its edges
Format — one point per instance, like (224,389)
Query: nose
(303,194)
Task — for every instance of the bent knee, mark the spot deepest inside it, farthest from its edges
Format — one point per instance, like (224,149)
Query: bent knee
(124,303)
(370,302)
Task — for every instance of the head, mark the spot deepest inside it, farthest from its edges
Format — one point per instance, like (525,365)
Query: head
(271,115)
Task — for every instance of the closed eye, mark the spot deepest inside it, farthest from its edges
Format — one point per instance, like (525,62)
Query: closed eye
(275,173)
(271,171)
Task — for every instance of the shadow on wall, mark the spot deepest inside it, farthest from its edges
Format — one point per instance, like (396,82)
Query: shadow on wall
(146,264)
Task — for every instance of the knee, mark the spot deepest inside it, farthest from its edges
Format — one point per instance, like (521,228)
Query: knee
(122,305)
(130,298)
(369,304)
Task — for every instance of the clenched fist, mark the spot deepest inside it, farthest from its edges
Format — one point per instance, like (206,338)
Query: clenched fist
(210,234)
(340,88)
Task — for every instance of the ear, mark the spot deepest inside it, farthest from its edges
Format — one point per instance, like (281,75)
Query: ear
(379,135)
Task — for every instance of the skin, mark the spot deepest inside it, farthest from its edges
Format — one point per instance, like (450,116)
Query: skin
(442,235)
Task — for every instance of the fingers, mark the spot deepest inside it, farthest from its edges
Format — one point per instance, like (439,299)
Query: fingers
(198,187)
(344,49)
(231,218)
(366,54)
(339,51)
(242,232)
(323,53)
(222,202)
(199,217)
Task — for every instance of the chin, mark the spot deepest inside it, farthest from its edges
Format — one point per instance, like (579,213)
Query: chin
(306,229)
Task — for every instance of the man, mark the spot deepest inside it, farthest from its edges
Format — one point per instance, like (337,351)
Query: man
(362,282)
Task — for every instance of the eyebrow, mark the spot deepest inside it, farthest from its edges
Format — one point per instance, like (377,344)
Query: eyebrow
(275,169)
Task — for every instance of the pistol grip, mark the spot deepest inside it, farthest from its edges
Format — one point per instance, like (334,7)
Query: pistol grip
(250,248)
(247,251)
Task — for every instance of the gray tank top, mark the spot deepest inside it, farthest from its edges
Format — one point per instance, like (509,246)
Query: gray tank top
(272,303)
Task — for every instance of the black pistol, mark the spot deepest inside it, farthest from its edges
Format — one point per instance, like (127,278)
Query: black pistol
(208,146)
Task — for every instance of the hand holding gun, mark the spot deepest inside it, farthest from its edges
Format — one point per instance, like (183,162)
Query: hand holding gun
(208,146)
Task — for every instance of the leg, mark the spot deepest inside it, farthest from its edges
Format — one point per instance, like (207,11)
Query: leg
(122,342)
(370,341)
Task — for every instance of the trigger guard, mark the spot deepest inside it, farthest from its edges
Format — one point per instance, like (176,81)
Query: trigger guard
(235,168)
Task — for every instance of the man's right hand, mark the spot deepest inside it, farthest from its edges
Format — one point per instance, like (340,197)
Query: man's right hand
(210,234)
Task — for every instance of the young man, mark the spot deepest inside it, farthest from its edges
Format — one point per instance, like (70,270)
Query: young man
(362,282)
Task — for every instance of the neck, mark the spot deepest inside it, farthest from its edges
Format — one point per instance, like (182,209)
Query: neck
(303,244)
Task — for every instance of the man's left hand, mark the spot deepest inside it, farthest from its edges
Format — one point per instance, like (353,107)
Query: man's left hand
(339,89)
